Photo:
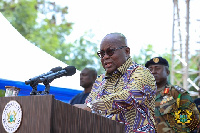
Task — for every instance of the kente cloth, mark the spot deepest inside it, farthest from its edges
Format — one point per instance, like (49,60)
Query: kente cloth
(175,111)
(128,95)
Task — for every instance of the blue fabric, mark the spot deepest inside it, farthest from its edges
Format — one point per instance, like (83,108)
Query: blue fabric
(62,94)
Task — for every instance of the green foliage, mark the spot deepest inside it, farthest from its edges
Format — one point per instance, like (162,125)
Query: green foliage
(145,54)
(21,15)
(41,22)
(2,93)
(83,53)
(44,24)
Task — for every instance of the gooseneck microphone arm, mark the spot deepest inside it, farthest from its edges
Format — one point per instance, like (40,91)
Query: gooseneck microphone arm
(47,78)
(35,80)
(67,71)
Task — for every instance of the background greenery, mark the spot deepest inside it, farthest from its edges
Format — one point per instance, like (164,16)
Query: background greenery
(45,24)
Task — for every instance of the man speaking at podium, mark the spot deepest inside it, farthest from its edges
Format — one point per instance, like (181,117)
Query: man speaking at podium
(126,92)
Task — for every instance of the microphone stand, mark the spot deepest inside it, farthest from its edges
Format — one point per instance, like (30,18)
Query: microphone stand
(47,89)
(47,86)
(34,86)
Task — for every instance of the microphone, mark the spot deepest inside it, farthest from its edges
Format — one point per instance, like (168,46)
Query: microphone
(67,71)
(53,70)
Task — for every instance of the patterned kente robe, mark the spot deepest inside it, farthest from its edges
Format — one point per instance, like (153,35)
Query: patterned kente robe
(128,95)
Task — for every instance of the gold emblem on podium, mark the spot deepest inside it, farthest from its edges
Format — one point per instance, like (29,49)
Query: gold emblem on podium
(12,116)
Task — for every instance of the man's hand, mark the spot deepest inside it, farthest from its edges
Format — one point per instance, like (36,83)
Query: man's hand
(98,106)
(82,106)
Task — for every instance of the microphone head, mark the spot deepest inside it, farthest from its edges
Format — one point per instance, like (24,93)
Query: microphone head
(71,70)
(56,69)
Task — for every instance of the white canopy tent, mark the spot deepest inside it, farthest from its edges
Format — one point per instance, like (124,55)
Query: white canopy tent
(22,60)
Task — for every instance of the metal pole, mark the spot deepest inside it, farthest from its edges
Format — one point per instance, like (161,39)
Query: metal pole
(186,76)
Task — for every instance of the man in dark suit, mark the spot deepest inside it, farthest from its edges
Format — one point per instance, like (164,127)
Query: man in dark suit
(87,78)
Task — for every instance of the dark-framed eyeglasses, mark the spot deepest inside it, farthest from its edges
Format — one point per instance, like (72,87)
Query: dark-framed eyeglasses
(109,51)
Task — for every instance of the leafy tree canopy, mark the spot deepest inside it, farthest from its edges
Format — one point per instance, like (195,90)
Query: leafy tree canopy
(45,24)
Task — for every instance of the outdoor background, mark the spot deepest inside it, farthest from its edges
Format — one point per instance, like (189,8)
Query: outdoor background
(71,30)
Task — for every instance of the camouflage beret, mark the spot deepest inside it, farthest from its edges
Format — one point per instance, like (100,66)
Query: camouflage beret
(157,61)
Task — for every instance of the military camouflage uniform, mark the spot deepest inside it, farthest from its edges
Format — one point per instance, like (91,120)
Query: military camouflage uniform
(172,115)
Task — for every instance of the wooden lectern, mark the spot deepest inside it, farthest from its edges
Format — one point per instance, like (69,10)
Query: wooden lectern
(45,114)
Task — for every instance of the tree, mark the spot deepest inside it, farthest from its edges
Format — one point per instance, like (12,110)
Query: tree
(45,24)
(148,53)
(84,53)
(145,54)
(38,21)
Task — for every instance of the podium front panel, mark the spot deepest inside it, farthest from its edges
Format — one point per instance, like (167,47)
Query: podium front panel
(45,114)
(36,113)
(70,119)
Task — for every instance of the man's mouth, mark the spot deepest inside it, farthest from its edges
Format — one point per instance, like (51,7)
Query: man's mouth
(108,64)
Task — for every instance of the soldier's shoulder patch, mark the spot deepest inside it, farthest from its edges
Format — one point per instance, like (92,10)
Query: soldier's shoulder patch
(179,89)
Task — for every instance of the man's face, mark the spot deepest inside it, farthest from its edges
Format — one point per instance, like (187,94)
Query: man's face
(86,78)
(159,72)
(111,63)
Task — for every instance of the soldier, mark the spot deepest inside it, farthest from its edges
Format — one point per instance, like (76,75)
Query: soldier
(175,110)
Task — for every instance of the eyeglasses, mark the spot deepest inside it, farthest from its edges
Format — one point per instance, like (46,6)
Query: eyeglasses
(108,51)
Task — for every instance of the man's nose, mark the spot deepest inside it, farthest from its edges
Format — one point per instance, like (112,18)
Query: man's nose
(153,71)
(106,56)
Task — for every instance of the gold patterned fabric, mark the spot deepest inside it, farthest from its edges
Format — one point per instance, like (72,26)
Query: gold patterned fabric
(128,95)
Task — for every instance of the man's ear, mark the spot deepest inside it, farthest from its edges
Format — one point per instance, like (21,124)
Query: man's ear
(127,51)
(168,72)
